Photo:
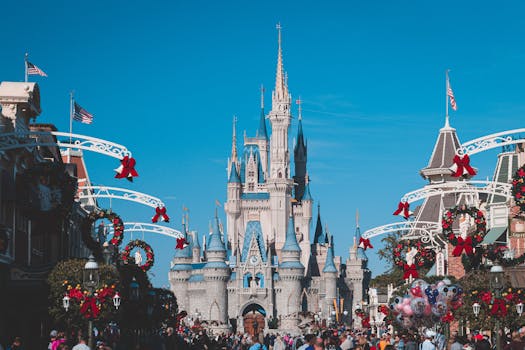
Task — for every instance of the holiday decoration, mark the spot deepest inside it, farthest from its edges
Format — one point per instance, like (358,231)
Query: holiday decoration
(181,243)
(160,212)
(461,166)
(425,304)
(364,243)
(465,242)
(498,306)
(518,188)
(90,306)
(410,256)
(118,224)
(150,256)
(126,169)
(403,210)
(364,316)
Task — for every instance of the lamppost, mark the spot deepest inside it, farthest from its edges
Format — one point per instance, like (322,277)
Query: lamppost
(333,313)
(91,279)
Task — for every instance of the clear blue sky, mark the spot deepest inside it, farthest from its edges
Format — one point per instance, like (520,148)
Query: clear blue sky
(165,79)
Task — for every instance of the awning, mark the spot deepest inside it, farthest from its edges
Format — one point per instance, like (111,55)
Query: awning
(494,235)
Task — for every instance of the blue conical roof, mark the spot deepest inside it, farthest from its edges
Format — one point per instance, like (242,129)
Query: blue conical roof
(360,251)
(215,243)
(290,244)
(319,236)
(183,253)
(306,195)
(234,176)
(329,265)
(195,240)
(262,133)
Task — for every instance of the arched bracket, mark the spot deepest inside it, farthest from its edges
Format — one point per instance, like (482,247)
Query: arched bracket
(119,193)
(425,231)
(30,140)
(484,143)
(152,228)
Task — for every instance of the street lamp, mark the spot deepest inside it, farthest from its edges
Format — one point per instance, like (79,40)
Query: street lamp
(476,308)
(65,302)
(519,308)
(497,284)
(106,253)
(116,300)
(91,279)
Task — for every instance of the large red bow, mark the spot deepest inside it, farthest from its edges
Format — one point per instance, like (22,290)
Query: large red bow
(462,166)
(410,270)
(126,169)
(499,308)
(89,308)
(463,245)
(403,207)
(160,213)
(365,243)
(181,243)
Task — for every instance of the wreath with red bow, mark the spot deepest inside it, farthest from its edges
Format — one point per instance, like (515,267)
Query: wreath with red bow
(498,306)
(472,240)
(518,188)
(425,257)
(118,224)
(90,305)
(150,256)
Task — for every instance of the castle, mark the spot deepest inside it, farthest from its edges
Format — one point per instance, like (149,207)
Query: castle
(265,267)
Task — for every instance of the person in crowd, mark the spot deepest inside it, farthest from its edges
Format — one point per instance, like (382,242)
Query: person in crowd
(16,344)
(457,345)
(52,337)
(81,345)
(516,342)
(346,342)
(428,344)
(318,344)
(481,343)
(278,343)
(61,338)
(257,344)
(384,341)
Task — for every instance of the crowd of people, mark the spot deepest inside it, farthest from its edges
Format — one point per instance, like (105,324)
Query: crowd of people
(331,339)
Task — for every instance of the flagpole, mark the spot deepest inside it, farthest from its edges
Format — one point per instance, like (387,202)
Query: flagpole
(25,67)
(447,124)
(70,124)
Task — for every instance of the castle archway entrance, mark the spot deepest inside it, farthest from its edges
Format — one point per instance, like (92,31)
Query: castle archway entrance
(254,319)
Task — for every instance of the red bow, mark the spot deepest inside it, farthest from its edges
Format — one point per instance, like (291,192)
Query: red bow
(403,207)
(486,297)
(410,270)
(160,212)
(465,245)
(126,169)
(89,308)
(449,317)
(181,243)
(498,308)
(365,243)
(365,322)
(462,166)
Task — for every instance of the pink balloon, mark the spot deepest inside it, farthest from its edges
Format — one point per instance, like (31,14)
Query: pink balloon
(407,310)
(428,310)
(406,301)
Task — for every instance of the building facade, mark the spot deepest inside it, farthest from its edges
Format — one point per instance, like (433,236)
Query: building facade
(264,266)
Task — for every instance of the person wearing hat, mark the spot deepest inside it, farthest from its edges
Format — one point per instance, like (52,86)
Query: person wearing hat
(52,337)
(428,344)
(481,343)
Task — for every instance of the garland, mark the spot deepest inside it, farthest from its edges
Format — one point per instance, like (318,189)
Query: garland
(150,256)
(498,306)
(425,257)
(471,241)
(118,224)
(90,306)
(518,188)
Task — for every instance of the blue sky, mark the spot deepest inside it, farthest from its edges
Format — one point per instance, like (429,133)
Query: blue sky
(166,78)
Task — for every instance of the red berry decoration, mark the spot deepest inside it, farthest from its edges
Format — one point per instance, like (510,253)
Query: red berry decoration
(150,256)
(518,188)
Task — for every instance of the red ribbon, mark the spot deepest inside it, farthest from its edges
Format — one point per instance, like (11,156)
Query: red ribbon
(463,245)
(403,207)
(499,308)
(365,322)
(126,169)
(160,212)
(463,166)
(410,270)
(365,243)
(89,308)
(181,242)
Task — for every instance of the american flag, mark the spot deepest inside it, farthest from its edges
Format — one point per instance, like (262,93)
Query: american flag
(34,70)
(450,94)
(81,115)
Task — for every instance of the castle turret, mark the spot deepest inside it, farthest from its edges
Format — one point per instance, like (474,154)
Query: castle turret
(232,206)
(195,247)
(290,273)
(216,274)
(330,282)
(179,275)
(300,158)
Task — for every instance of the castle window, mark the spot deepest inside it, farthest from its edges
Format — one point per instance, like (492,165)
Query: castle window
(251,173)
(251,187)
(259,280)
(247,280)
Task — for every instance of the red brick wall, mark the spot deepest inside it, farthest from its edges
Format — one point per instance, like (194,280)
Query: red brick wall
(454,264)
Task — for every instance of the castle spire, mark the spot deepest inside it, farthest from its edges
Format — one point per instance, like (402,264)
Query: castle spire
(234,140)
(281,88)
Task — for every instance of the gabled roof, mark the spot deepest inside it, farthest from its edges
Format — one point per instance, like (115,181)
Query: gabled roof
(290,243)
(253,232)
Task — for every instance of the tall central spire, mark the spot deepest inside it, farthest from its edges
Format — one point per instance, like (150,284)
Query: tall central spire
(234,140)
(281,89)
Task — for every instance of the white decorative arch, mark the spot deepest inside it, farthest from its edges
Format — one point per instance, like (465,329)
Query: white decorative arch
(426,231)
(484,143)
(32,139)
(152,228)
(119,193)
(489,187)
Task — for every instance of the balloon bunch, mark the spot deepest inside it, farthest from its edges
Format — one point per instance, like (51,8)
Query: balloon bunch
(425,304)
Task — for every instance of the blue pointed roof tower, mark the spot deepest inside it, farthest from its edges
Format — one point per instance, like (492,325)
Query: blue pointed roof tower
(300,159)
(319,236)
(234,175)
(329,265)
(290,243)
(215,244)
(262,132)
